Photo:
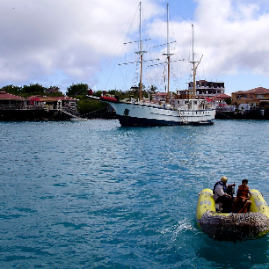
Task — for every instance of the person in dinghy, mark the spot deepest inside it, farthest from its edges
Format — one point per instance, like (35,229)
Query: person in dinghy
(243,196)
(221,195)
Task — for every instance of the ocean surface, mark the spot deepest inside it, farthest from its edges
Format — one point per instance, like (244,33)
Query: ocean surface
(93,194)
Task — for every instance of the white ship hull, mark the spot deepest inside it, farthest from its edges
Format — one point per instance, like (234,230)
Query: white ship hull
(137,114)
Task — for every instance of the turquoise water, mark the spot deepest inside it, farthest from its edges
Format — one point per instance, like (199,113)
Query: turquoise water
(94,195)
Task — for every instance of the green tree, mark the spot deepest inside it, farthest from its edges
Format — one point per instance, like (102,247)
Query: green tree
(53,91)
(152,89)
(77,89)
(33,89)
(56,94)
(12,89)
(89,105)
(112,92)
(98,93)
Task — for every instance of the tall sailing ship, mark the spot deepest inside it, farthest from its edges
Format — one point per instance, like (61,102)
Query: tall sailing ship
(188,110)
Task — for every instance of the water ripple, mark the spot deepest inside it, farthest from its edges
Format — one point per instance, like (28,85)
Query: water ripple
(94,195)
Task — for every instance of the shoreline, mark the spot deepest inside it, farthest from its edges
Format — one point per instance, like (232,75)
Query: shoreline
(57,115)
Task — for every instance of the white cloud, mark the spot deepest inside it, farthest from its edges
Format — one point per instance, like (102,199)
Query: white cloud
(65,41)
(38,37)
(233,36)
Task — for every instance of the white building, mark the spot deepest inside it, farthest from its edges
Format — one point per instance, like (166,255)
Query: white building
(204,88)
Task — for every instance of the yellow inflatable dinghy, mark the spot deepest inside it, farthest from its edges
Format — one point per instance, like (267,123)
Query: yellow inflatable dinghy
(232,226)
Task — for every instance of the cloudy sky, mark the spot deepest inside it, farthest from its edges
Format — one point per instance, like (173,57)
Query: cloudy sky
(60,42)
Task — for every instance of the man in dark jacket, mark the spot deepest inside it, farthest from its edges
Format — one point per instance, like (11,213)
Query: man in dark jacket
(221,195)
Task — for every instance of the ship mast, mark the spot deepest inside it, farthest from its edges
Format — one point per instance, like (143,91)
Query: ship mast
(168,54)
(140,52)
(194,67)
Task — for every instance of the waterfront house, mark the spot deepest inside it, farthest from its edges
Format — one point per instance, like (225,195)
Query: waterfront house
(37,107)
(246,100)
(52,102)
(10,101)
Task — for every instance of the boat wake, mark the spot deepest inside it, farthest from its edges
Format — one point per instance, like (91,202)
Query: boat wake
(178,229)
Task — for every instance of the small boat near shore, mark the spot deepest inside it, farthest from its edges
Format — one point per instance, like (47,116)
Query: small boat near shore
(232,226)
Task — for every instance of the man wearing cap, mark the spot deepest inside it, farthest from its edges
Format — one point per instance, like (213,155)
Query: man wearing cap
(221,195)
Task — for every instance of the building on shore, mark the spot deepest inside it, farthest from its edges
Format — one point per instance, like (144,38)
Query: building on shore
(38,107)
(8,100)
(204,89)
(246,100)
(251,104)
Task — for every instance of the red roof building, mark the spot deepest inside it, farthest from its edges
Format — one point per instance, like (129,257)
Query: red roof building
(9,97)
(222,96)
(10,101)
(258,97)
